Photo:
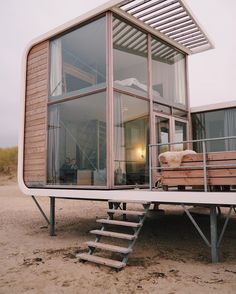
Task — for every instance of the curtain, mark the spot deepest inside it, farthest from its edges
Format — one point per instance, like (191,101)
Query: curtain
(53,144)
(230,128)
(56,68)
(180,90)
(119,138)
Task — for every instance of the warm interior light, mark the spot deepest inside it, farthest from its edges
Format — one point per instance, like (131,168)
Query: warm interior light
(140,153)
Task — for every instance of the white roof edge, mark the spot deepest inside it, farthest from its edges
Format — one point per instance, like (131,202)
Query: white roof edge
(215,106)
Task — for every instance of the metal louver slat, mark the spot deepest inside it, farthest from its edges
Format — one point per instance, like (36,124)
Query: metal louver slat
(171,19)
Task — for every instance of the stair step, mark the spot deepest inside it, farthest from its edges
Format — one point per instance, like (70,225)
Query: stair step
(102,260)
(118,223)
(128,201)
(113,234)
(109,247)
(128,212)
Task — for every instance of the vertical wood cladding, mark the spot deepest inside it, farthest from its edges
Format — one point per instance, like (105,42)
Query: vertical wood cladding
(35,140)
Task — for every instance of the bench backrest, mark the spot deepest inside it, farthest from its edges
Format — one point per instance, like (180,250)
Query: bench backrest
(191,172)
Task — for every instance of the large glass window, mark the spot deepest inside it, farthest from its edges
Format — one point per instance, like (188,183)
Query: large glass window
(77,142)
(168,74)
(131,138)
(130,58)
(78,59)
(215,124)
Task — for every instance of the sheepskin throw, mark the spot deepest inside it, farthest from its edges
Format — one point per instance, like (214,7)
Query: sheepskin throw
(174,158)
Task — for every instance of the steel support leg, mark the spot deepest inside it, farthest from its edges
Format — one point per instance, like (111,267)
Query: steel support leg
(41,210)
(213,226)
(52,217)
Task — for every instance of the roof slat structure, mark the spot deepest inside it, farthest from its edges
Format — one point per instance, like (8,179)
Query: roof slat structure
(128,38)
(171,19)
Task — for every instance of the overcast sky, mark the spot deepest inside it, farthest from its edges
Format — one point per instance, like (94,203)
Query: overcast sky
(211,73)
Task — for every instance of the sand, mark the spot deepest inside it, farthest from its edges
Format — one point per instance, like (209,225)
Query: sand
(169,256)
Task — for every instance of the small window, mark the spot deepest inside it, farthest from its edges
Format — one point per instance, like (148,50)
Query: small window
(179,112)
(161,108)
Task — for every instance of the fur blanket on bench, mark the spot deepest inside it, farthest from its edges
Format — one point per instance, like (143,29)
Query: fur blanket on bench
(174,158)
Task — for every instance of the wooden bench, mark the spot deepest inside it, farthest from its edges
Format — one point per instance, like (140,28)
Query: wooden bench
(217,177)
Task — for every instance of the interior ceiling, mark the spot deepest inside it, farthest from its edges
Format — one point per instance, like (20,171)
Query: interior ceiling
(171,18)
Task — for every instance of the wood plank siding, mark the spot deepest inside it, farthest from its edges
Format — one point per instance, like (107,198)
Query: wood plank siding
(35,136)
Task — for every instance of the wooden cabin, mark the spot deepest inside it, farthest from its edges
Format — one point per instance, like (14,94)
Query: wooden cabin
(101,88)
(97,94)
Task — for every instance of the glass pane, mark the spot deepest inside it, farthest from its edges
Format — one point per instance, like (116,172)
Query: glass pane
(131,138)
(78,59)
(130,58)
(180,135)
(180,113)
(77,142)
(213,124)
(162,125)
(168,70)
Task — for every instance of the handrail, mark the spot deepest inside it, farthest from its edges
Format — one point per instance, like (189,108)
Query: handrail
(193,141)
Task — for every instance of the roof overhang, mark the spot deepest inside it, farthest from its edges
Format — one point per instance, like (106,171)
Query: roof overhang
(170,20)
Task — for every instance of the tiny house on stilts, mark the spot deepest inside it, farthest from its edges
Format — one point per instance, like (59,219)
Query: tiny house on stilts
(98,93)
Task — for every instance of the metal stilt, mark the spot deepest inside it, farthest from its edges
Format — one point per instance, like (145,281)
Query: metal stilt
(41,210)
(213,227)
(52,217)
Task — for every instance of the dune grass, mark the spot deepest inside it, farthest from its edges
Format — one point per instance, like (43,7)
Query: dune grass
(8,160)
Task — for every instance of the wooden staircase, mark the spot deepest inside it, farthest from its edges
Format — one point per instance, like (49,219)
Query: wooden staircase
(116,230)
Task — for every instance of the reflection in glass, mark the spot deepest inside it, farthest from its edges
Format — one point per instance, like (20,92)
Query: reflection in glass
(78,59)
(162,133)
(180,135)
(129,58)
(77,142)
(215,124)
(131,138)
(168,69)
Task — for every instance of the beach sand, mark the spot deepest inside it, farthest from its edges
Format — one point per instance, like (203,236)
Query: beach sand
(169,256)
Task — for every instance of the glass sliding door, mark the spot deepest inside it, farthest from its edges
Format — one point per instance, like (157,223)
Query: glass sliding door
(131,138)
